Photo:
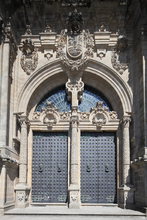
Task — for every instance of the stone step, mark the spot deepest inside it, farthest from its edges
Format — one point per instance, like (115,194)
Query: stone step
(69,217)
(85,212)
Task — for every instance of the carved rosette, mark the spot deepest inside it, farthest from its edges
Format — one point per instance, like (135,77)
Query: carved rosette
(84,115)
(74,50)
(113,115)
(100,115)
(29,59)
(36,115)
(65,116)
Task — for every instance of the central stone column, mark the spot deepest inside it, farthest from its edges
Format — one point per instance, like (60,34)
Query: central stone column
(74,94)
(74,188)
(21,188)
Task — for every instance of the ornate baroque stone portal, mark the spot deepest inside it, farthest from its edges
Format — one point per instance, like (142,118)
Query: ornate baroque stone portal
(73,47)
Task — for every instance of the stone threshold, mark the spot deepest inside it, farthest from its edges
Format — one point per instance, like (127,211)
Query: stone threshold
(65,211)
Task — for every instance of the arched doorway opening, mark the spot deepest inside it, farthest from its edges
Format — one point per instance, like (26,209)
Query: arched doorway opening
(51,149)
(100,121)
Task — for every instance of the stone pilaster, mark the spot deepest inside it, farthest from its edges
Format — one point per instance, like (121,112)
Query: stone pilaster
(126,150)
(21,188)
(144,86)
(3,187)
(126,190)
(4,105)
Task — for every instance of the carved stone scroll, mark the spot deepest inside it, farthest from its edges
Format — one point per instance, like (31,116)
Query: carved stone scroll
(100,115)
(48,116)
(117,65)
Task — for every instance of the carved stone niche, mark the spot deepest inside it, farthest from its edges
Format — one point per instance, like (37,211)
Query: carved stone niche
(100,115)
(48,116)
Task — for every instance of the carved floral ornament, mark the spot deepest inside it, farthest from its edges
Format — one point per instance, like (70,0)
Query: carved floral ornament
(99,116)
(48,116)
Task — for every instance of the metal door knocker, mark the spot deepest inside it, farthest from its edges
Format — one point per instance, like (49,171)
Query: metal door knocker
(106,169)
(88,168)
(40,168)
(58,169)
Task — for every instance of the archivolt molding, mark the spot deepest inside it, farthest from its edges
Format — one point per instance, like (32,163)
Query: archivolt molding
(36,79)
(121,88)
(94,67)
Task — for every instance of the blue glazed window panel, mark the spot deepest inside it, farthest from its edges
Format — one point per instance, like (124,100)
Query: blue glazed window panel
(58,98)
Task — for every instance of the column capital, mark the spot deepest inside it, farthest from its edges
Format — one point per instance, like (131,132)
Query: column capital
(23,120)
(74,119)
(126,121)
(7,33)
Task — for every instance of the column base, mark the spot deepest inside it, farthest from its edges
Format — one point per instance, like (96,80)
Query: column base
(74,197)
(22,194)
(145,210)
(126,197)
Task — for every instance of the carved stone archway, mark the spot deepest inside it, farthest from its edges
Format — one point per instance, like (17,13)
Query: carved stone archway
(53,75)
(116,91)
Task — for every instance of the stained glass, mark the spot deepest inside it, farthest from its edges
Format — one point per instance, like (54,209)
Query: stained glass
(59,99)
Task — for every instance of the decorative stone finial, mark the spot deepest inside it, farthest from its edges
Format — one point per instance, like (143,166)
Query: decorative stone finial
(28,30)
(48,29)
(28,47)
(102,28)
(74,22)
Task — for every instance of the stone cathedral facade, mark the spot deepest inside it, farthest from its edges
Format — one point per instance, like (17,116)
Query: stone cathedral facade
(73,103)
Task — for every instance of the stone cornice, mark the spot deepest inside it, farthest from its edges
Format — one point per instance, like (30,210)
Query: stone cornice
(8,155)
